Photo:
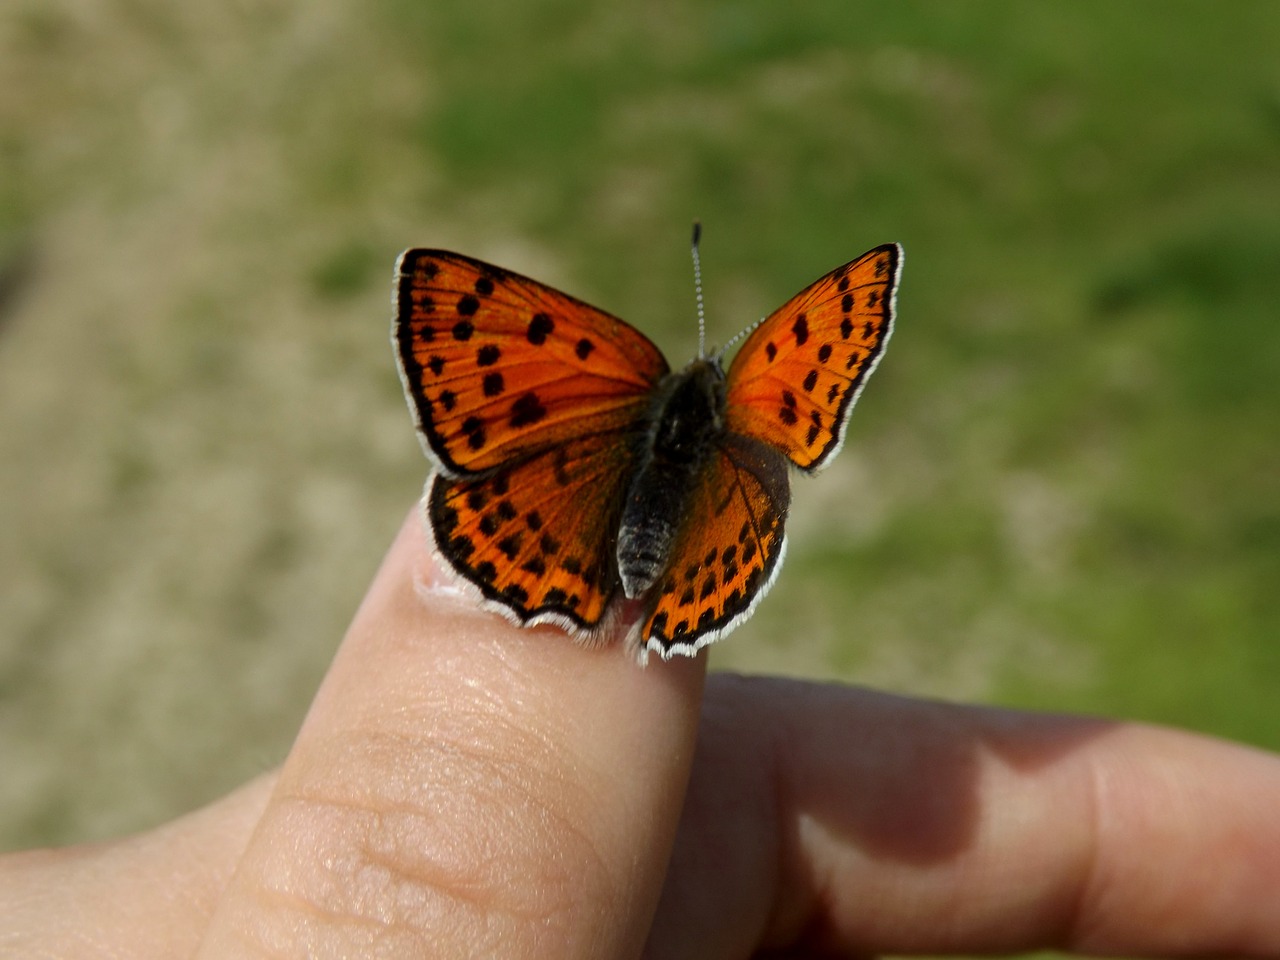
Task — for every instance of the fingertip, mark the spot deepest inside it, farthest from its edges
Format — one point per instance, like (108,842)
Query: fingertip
(436,590)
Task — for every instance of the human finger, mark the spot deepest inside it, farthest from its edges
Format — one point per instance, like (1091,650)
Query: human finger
(147,897)
(839,819)
(464,786)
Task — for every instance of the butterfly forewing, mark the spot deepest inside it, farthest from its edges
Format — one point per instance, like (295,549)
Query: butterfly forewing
(795,379)
(537,538)
(498,366)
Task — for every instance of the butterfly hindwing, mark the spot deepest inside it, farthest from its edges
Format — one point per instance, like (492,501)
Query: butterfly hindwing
(727,551)
(537,538)
(795,379)
(497,366)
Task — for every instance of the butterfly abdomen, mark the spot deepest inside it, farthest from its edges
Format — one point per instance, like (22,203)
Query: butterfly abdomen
(685,422)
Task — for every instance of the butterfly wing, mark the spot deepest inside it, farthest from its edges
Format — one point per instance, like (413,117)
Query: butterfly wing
(728,550)
(797,376)
(497,366)
(537,538)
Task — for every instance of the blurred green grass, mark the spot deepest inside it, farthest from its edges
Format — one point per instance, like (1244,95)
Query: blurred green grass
(1059,491)
(1074,414)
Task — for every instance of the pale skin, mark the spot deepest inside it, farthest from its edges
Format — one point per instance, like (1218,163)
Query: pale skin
(462,787)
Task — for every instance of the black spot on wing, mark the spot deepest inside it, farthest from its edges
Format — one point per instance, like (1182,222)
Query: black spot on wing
(540,327)
(801,329)
(527,410)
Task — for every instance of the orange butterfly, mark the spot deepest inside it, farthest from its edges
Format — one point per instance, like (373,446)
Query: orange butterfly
(572,468)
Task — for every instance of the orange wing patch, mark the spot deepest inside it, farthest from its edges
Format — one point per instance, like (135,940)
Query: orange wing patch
(499,366)
(726,554)
(538,538)
(795,380)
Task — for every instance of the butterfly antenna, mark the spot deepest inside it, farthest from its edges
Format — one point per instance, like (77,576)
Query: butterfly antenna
(736,337)
(697,286)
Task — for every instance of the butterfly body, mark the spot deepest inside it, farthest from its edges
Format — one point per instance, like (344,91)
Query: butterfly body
(573,469)
(686,422)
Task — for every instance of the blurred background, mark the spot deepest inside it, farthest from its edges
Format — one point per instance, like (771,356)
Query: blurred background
(1061,489)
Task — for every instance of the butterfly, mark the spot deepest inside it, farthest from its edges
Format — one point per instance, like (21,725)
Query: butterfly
(578,480)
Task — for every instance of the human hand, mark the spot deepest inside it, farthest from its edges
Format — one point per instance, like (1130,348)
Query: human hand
(462,787)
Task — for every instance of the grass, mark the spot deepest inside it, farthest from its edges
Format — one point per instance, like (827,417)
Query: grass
(1059,491)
